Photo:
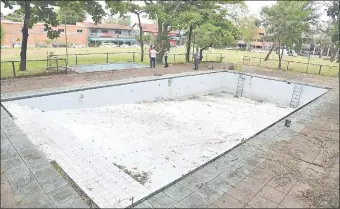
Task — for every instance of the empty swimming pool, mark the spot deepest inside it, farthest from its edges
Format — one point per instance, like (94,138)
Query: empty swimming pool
(128,140)
(107,67)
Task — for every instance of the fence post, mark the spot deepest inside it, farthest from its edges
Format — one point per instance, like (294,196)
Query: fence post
(13,67)
(260,61)
(76,59)
(47,57)
(133,57)
(307,68)
(320,70)
(174,58)
(107,57)
(243,60)
(288,66)
(57,65)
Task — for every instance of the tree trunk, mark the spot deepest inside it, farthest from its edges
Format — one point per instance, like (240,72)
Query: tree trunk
(23,53)
(280,55)
(337,55)
(270,51)
(333,54)
(328,51)
(201,52)
(187,54)
(321,52)
(141,38)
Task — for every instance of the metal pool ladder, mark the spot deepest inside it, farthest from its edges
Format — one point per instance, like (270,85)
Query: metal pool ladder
(294,102)
(240,84)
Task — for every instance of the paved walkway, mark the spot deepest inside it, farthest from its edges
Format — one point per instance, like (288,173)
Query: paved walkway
(27,177)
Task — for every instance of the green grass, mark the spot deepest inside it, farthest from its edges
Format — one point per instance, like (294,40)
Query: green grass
(122,55)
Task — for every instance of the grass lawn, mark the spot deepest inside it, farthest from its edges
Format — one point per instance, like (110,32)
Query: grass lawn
(126,55)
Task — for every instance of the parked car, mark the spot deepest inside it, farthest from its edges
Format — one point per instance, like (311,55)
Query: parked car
(16,45)
(109,45)
(124,46)
(77,45)
(4,46)
(58,45)
(41,45)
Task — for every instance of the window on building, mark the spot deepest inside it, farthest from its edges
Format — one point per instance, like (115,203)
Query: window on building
(261,34)
(94,31)
(105,31)
(118,32)
(79,31)
(61,30)
(43,30)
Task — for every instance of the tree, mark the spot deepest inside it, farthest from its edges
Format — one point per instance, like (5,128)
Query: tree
(120,21)
(125,7)
(35,11)
(16,16)
(2,34)
(247,28)
(332,10)
(193,14)
(287,21)
(217,32)
(71,16)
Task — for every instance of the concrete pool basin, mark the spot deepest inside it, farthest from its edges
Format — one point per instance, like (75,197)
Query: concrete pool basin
(107,67)
(129,140)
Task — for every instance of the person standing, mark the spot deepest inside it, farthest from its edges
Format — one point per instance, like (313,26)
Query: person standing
(196,59)
(166,58)
(153,53)
(149,50)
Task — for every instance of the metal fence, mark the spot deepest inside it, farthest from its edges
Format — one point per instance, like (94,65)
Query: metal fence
(310,68)
(33,67)
(55,63)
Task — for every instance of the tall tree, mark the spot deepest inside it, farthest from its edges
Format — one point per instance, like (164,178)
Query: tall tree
(287,21)
(247,28)
(332,10)
(217,32)
(194,13)
(71,16)
(123,8)
(36,11)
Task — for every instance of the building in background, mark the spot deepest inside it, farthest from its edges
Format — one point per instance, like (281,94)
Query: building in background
(152,29)
(83,33)
(258,42)
(108,33)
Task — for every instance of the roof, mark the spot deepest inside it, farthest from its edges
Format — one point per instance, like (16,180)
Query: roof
(105,26)
(153,28)
(5,20)
(110,39)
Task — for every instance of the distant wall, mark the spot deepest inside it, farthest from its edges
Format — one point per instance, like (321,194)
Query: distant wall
(268,90)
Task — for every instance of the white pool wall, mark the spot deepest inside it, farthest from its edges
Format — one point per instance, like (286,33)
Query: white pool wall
(265,89)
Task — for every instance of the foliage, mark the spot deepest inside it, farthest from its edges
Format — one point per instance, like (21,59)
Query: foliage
(16,16)
(2,33)
(71,15)
(120,21)
(287,21)
(43,11)
(247,29)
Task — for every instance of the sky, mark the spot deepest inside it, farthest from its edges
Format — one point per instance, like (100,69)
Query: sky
(253,6)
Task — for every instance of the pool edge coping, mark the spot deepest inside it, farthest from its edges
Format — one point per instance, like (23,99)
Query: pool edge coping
(97,85)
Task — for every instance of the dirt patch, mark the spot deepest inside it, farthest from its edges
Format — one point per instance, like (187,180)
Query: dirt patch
(141,177)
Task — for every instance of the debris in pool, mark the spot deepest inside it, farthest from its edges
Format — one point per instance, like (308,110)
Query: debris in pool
(141,177)
(167,157)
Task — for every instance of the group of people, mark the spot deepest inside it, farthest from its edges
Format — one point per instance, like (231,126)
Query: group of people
(152,57)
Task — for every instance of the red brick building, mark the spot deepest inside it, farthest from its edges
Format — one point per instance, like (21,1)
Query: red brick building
(81,33)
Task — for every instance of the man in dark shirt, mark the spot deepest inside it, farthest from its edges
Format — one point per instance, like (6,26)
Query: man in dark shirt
(196,59)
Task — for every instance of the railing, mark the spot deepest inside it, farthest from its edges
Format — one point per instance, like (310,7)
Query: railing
(55,63)
(289,65)
(33,67)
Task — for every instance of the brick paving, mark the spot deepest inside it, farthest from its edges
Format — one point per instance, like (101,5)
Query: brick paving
(27,177)
(296,167)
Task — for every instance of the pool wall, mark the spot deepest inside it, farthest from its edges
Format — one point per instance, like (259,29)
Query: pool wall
(260,88)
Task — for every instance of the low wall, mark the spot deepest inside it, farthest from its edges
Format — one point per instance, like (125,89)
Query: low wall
(255,87)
